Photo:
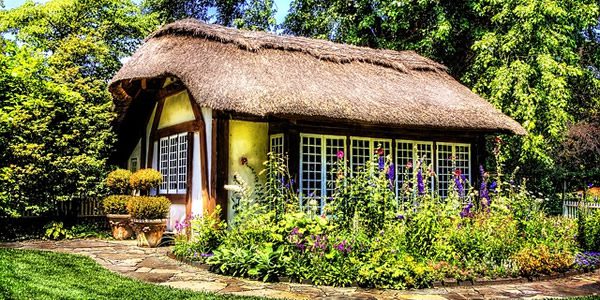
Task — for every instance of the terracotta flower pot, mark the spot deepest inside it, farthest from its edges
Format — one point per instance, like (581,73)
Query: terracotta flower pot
(121,226)
(149,232)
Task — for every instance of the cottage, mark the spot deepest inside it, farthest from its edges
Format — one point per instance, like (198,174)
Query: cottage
(196,99)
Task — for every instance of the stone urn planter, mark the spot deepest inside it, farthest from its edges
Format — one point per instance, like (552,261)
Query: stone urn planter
(149,218)
(115,207)
(149,232)
(120,226)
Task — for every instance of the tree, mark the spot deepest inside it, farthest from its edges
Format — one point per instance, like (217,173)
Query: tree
(442,30)
(249,14)
(538,61)
(524,64)
(55,110)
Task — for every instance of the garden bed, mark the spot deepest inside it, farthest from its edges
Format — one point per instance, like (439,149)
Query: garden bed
(449,282)
(365,235)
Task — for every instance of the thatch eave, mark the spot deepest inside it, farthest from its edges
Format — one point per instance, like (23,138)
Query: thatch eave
(265,75)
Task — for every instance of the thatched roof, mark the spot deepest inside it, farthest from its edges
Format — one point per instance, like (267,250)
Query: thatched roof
(264,74)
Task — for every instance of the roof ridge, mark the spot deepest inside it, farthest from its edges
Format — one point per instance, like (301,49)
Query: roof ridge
(255,41)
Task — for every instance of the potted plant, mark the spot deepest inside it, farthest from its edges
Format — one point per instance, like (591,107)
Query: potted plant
(149,217)
(144,180)
(115,205)
(148,214)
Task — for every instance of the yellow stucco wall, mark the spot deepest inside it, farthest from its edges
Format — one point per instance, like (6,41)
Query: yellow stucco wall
(177,109)
(249,140)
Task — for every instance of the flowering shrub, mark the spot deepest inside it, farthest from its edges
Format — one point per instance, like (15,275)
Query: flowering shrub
(208,231)
(117,181)
(116,204)
(366,237)
(144,207)
(144,180)
(587,260)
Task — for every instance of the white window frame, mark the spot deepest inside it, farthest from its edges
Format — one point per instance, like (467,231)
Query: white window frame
(414,159)
(372,147)
(453,146)
(181,169)
(323,157)
(272,143)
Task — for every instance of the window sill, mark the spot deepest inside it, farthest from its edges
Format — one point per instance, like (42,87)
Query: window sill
(176,198)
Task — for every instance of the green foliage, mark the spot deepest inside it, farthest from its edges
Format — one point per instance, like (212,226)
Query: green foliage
(524,64)
(249,14)
(116,204)
(397,271)
(364,199)
(432,239)
(58,231)
(148,208)
(144,180)
(437,29)
(55,110)
(541,259)
(588,229)
(276,193)
(537,61)
(117,181)
(208,232)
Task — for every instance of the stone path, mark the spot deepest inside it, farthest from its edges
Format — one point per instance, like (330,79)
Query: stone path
(153,265)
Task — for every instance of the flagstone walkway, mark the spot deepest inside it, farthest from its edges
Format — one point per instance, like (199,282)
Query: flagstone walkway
(153,265)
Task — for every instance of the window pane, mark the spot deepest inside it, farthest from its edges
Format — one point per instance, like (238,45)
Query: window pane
(404,175)
(451,157)
(172,164)
(332,146)
(360,153)
(164,164)
(183,153)
(311,167)
(445,169)
(277,144)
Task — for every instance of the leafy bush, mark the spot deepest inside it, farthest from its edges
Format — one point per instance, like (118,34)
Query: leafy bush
(502,233)
(117,181)
(541,259)
(588,229)
(57,231)
(144,180)
(144,207)
(116,204)
(208,233)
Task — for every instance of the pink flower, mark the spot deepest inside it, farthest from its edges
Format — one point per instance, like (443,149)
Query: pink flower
(340,154)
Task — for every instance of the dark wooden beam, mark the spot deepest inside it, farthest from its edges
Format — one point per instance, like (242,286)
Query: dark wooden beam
(188,126)
(190,174)
(222,167)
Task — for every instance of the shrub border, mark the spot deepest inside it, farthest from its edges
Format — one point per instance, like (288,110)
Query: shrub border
(448,282)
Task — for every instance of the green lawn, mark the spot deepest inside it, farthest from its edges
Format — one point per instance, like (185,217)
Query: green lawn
(30,274)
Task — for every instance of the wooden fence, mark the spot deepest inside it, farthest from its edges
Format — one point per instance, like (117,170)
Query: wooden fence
(570,208)
(91,207)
